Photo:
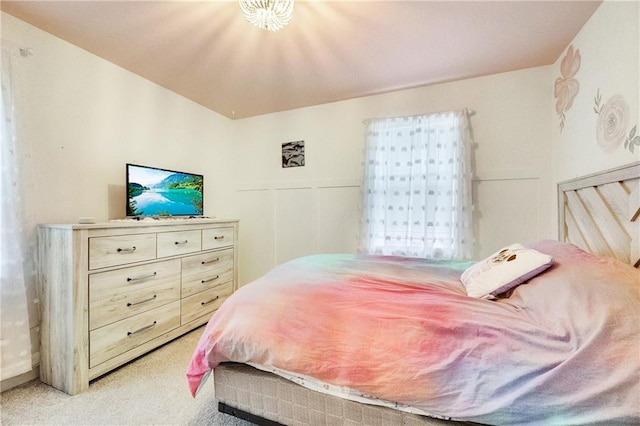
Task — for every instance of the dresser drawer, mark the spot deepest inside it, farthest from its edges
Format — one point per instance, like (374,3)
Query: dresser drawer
(119,294)
(179,242)
(217,237)
(119,337)
(121,250)
(205,271)
(205,302)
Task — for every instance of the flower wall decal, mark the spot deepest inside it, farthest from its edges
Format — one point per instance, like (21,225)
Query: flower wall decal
(611,128)
(566,87)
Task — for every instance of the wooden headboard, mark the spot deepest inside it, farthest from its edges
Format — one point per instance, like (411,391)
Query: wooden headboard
(601,213)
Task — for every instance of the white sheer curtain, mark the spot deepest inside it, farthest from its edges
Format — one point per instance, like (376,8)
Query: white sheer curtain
(15,342)
(417,187)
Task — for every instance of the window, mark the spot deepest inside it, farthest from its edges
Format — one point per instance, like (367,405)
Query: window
(417,187)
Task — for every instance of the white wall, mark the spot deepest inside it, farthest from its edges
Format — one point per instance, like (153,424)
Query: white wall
(82,118)
(285,213)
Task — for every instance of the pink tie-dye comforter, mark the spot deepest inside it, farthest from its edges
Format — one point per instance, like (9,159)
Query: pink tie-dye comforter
(562,349)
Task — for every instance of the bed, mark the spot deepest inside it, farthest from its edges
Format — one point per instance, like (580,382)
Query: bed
(354,339)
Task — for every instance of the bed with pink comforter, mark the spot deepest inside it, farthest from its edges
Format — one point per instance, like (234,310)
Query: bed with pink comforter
(563,348)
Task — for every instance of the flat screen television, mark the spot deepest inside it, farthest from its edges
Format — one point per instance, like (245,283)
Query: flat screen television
(156,192)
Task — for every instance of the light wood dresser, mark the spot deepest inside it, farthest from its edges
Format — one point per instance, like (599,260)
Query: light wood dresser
(111,292)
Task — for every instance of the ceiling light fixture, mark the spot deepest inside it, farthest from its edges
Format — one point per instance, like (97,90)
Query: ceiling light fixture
(270,15)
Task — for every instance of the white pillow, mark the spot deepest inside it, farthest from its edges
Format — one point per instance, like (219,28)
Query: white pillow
(504,270)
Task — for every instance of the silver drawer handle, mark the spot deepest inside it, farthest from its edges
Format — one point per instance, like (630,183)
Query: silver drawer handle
(129,333)
(219,237)
(180,242)
(126,250)
(217,259)
(142,301)
(210,279)
(210,301)
(143,277)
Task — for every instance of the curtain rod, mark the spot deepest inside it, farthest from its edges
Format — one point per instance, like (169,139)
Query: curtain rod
(469,112)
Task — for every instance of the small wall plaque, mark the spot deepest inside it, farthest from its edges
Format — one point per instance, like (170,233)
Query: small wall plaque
(293,154)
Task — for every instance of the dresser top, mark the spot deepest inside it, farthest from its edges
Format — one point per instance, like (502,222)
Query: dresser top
(141,223)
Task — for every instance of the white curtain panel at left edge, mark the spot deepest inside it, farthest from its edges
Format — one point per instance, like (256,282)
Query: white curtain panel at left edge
(15,342)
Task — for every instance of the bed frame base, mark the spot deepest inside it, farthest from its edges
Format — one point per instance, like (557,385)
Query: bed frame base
(244,415)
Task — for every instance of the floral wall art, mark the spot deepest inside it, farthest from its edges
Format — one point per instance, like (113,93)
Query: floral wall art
(613,122)
(566,87)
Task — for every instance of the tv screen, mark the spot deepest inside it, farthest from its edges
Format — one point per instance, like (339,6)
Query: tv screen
(159,192)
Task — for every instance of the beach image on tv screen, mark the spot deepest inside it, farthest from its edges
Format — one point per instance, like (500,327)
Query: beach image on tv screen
(155,192)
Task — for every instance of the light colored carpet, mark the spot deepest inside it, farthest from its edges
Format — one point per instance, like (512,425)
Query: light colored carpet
(151,390)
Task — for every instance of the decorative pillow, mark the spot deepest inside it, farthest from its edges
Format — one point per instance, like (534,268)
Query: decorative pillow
(504,270)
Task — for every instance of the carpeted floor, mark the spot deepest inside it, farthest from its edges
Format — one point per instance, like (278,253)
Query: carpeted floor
(151,390)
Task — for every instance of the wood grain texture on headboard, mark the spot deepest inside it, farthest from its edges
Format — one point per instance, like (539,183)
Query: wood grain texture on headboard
(601,213)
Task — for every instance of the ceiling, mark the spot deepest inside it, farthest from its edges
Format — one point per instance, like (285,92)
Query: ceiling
(331,50)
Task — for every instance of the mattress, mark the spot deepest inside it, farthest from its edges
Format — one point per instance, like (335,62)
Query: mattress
(243,389)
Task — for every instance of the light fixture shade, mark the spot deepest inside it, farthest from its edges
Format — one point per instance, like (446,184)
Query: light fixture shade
(270,15)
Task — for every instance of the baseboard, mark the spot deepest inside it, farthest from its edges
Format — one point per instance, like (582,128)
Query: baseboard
(21,379)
